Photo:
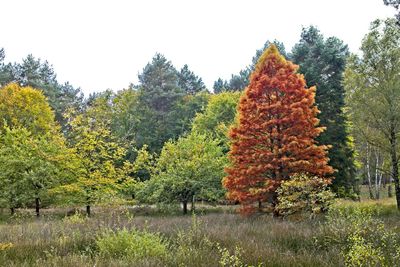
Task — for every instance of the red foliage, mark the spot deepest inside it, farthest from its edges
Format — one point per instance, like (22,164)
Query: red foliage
(275,137)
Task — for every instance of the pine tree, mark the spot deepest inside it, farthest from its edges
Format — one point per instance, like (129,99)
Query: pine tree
(396,5)
(275,137)
(40,75)
(238,82)
(158,96)
(322,61)
(190,82)
(220,86)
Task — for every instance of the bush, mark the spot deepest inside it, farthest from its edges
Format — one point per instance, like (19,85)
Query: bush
(303,193)
(362,253)
(77,218)
(362,238)
(131,245)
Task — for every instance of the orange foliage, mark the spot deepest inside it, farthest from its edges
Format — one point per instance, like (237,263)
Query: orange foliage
(275,137)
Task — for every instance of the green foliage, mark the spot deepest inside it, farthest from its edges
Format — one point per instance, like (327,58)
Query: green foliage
(186,110)
(231,260)
(218,117)
(396,5)
(143,166)
(238,82)
(33,153)
(190,82)
(132,245)
(158,94)
(191,167)
(322,61)
(31,165)
(33,72)
(140,170)
(304,193)
(372,90)
(362,253)
(76,218)
(220,86)
(101,158)
(161,107)
(363,238)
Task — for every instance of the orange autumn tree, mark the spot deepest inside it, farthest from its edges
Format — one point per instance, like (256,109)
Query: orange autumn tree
(275,135)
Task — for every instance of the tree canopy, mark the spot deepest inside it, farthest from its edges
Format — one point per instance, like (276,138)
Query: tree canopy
(372,87)
(322,61)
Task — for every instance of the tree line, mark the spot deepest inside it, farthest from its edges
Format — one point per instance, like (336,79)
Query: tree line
(168,139)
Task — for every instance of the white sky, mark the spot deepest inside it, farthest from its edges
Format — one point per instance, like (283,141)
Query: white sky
(104,44)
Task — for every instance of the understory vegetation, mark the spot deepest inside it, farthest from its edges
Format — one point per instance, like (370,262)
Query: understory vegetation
(352,234)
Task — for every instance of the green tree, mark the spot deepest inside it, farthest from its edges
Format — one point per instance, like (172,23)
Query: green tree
(159,84)
(14,163)
(139,172)
(40,75)
(31,166)
(158,94)
(189,168)
(220,86)
(5,69)
(190,82)
(218,117)
(187,109)
(396,5)
(322,61)
(34,157)
(373,91)
(102,164)
(238,82)
(126,116)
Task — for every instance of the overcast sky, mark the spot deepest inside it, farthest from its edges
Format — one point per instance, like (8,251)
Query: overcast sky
(98,45)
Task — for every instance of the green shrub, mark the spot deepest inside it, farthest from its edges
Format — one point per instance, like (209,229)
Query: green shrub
(132,245)
(363,253)
(303,193)
(77,218)
(231,260)
(362,238)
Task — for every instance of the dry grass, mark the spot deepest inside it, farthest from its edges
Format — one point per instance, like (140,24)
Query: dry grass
(262,239)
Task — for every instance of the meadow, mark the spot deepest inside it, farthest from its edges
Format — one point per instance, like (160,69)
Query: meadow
(353,233)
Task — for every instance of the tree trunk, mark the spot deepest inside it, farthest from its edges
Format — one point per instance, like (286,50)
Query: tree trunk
(368,170)
(395,165)
(390,192)
(193,206)
(12,211)
(37,206)
(274,202)
(384,181)
(371,194)
(88,210)
(185,207)
(259,206)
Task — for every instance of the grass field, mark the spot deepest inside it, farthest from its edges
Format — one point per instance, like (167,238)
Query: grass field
(218,237)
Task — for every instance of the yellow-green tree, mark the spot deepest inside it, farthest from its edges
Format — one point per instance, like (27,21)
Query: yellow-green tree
(192,167)
(372,85)
(218,117)
(26,107)
(102,165)
(33,154)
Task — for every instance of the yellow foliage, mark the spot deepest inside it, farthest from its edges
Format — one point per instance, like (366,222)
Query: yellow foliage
(5,246)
